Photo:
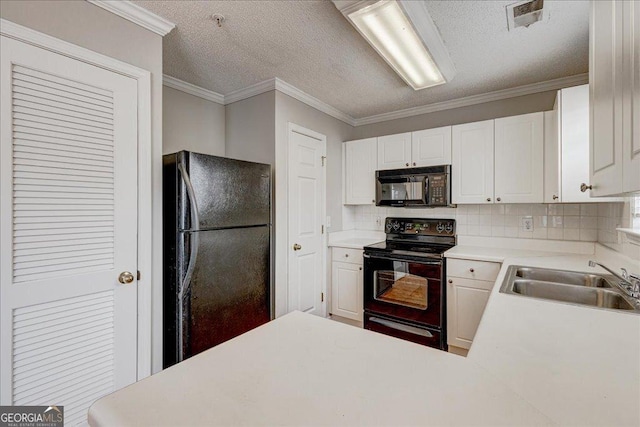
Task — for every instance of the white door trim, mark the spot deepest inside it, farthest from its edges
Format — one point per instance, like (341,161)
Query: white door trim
(143,77)
(284,274)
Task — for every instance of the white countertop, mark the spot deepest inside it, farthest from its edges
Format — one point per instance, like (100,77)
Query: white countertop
(305,370)
(355,239)
(532,362)
(578,365)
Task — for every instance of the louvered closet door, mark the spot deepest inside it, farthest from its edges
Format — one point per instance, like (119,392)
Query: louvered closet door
(68,201)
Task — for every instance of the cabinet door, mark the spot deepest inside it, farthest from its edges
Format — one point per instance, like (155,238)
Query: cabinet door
(431,147)
(519,156)
(394,151)
(472,162)
(631,98)
(466,301)
(605,52)
(552,193)
(361,158)
(346,290)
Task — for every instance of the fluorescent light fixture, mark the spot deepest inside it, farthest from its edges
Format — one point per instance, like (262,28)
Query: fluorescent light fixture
(403,33)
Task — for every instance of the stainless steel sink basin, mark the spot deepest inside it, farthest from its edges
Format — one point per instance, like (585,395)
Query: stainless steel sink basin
(593,290)
(574,294)
(561,276)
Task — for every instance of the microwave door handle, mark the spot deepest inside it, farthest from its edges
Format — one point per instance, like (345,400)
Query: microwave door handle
(425,195)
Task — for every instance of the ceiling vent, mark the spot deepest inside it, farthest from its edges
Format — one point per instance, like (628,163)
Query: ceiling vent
(524,13)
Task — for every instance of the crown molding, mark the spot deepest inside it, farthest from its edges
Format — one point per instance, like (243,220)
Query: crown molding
(294,92)
(136,14)
(191,89)
(312,101)
(555,84)
(249,91)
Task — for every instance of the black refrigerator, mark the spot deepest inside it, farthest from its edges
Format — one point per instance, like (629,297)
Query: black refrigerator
(217,257)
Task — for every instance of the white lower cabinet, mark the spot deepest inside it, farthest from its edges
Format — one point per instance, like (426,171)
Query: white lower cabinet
(346,283)
(469,284)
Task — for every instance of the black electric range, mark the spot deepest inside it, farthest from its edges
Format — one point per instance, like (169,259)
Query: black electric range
(404,280)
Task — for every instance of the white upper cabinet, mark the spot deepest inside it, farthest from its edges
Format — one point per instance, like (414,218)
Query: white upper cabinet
(572,145)
(472,162)
(519,157)
(552,193)
(360,162)
(431,147)
(614,97)
(394,151)
(631,98)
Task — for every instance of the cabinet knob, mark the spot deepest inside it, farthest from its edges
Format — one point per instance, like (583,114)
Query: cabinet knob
(449,281)
(471,270)
(373,201)
(360,269)
(414,163)
(407,164)
(498,199)
(488,199)
(584,187)
(346,255)
(555,197)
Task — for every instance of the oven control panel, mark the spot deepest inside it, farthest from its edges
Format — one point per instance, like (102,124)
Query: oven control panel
(420,226)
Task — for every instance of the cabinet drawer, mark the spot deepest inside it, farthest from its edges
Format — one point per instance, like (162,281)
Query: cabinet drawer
(353,256)
(478,270)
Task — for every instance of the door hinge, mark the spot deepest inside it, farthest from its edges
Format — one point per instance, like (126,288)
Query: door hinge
(321,296)
(138,275)
(323,159)
(322,229)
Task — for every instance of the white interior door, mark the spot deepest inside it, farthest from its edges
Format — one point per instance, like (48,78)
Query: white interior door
(68,203)
(306,195)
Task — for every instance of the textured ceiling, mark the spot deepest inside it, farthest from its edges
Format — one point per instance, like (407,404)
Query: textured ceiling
(310,45)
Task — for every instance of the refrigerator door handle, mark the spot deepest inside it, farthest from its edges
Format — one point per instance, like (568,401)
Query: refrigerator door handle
(193,254)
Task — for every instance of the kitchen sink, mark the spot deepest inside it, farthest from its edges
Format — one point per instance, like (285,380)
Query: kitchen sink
(561,276)
(573,294)
(592,290)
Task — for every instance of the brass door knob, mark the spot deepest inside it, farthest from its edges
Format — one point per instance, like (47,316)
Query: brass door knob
(296,247)
(125,277)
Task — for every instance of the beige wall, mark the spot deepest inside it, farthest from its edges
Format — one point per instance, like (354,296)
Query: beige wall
(250,129)
(191,123)
(89,26)
(490,110)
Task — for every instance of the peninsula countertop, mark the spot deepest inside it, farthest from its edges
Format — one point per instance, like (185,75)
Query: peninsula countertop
(532,362)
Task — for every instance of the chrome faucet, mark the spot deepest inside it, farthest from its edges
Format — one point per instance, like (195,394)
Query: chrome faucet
(629,283)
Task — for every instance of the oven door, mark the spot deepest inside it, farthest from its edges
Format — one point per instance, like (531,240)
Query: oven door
(405,289)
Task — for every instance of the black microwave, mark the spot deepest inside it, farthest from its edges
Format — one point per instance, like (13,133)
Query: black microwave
(414,187)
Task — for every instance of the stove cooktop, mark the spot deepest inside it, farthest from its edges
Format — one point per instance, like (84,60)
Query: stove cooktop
(417,237)
(408,248)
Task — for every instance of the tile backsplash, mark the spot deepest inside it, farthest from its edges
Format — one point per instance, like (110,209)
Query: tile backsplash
(588,222)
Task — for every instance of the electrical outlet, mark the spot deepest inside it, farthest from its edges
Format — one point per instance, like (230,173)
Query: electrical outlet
(526,223)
